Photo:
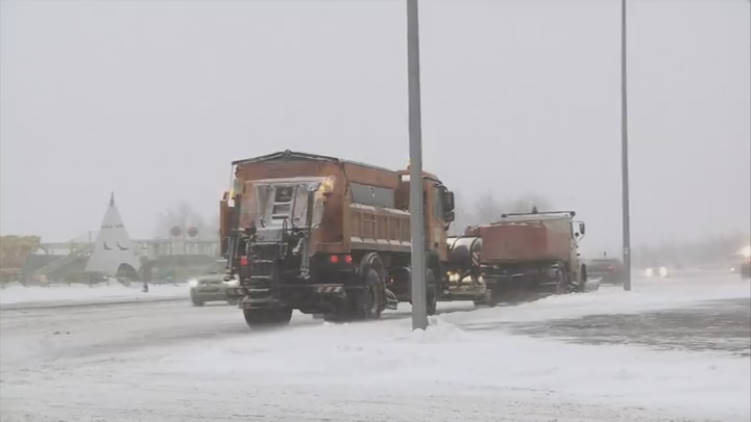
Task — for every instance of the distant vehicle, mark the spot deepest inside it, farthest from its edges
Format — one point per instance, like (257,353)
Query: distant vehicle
(609,270)
(745,266)
(657,271)
(211,287)
(536,252)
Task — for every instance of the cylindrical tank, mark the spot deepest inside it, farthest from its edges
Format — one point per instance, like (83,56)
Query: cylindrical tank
(464,251)
(526,241)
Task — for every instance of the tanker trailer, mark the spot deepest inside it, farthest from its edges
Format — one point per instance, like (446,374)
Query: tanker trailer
(463,271)
(526,252)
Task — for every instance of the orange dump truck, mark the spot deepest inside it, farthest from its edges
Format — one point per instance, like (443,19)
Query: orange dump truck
(329,236)
(529,251)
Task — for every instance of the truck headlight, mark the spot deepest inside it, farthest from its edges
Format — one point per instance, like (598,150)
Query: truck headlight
(663,271)
(193,282)
(326,186)
(649,272)
(232,282)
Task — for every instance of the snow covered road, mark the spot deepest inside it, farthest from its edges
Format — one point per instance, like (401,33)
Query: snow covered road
(57,295)
(170,361)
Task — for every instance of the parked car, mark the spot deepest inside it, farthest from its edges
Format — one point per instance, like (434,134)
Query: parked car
(210,287)
(609,270)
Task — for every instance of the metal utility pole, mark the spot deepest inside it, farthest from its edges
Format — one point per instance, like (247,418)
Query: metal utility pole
(416,219)
(624,157)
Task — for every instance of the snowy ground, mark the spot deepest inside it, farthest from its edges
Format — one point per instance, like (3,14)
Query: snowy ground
(169,361)
(73,294)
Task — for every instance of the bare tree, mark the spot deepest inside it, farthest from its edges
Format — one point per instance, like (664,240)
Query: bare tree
(525,204)
(487,209)
(182,216)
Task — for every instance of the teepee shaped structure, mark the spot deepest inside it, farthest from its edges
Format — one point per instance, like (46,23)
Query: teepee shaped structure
(113,251)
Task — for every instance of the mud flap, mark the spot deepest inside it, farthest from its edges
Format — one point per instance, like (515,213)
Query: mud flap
(391,300)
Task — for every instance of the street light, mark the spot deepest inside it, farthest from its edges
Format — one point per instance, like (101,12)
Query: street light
(624,157)
(416,223)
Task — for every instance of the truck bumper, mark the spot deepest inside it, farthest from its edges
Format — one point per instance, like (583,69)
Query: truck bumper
(308,298)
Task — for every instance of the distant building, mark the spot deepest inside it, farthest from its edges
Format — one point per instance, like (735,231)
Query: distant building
(14,251)
(113,253)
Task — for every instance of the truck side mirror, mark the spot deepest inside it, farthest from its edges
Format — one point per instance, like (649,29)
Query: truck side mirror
(449,216)
(582,228)
(448,201)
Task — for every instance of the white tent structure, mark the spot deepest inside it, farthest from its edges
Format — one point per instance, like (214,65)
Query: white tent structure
(113,252)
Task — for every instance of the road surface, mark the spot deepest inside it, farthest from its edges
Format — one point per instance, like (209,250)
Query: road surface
(650,358)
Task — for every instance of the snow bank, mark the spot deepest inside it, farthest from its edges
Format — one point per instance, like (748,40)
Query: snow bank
(438,331)
(183,367)
(83,293)
(444,360)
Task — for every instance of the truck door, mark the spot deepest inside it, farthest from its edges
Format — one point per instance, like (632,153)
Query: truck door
(436,226)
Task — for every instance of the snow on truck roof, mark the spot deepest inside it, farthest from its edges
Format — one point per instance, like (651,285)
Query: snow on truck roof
(295,155)
(539,216)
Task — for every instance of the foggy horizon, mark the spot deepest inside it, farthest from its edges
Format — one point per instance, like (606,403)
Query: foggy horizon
(305,298)
(152,101)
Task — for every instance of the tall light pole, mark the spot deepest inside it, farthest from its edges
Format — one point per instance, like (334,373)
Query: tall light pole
(416,219)
(624,157)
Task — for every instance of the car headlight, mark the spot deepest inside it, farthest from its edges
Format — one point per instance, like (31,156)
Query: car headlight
(663,272)
(193,282)
(649,272)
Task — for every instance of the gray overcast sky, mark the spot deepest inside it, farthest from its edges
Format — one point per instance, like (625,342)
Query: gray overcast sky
(152,100)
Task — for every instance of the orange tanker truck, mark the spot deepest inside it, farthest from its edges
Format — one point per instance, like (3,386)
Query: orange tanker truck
(329,236)
(523,252)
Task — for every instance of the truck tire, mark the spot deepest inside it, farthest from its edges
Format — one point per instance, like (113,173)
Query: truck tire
(368,301)
(196,301)
(431,291)
(561,281)
(281,316)
(490,298)
(267,317)
(584,276)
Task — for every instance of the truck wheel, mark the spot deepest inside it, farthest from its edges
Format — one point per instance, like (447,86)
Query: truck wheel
(254,316)
(561,282)
(431,299)
(280,316)
(584,275)
(368,301)
(494,297)
(266,317)
(489,298)
(196,301)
